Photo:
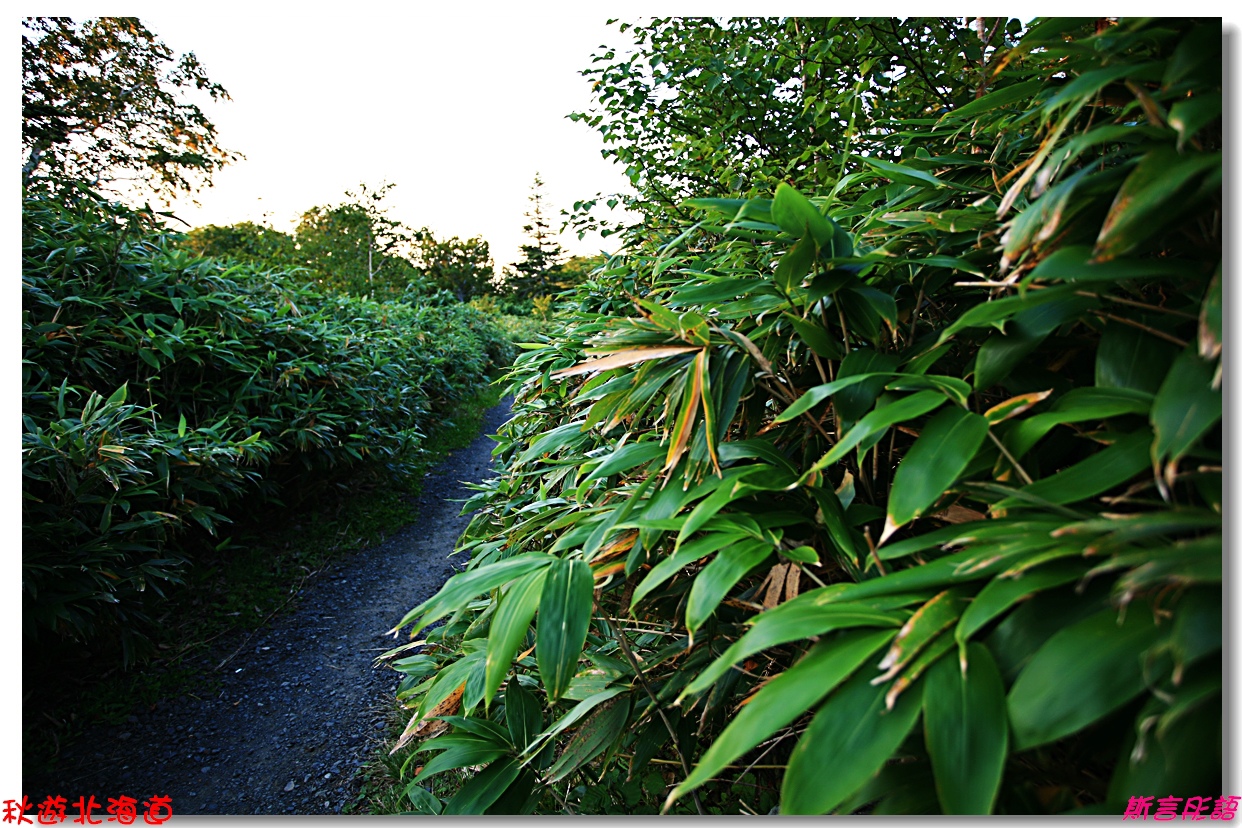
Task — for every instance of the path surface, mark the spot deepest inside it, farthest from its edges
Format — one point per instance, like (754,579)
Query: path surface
(301,707)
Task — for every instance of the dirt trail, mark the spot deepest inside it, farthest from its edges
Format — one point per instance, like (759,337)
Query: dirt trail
(301,706)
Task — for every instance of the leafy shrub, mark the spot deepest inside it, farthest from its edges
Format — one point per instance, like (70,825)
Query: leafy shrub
(909,492)
(160,388)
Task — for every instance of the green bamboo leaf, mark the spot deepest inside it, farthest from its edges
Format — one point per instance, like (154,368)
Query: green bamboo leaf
(759,449)
(950,262)
(881,304)
(1154,195)
(458,751)
(850,738)
(423,800)
(717,290)
(944,448)
(901,173)
(819,393)
(1129,358)
(815,337)
(798,217)
(483,788)
(718,577)
(520,798)
(732,487)
(727,207)
(1002,593)
(930,655)
(832,512)
(1082,673)
(571,718)
(1185,408)
(876,423)
(682,557)
(1211,319)
(564,617)
(1085,86)
(1076,406)
(854,400)
(1182,563)
(784,699)
(595,734)
(955,389)
(801,554)
(920,629)
(522,714)
(509,626)
(551,441)
(797,620)
(1128,456)
(795,264)
(1060,205)
(483,728)
(1018,92)
(626,458)
(1003,352)
(997,311)
(966,730)
(465,586)
(1073,264)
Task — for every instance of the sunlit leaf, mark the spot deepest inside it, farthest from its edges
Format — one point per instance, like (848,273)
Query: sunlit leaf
(945,446)
(620,359)
(509,627)
(718,577)
(564,615)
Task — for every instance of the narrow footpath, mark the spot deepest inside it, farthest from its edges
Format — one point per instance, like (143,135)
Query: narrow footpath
(302,706)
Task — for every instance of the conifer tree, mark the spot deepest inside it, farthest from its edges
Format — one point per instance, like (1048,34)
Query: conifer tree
(536,274)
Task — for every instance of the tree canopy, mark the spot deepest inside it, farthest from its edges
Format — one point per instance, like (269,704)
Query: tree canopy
(105,102)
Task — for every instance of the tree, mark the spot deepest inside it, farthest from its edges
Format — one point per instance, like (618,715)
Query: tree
(536,273)
(462,267)
(104,102)
(355,247)
(577,269)
(246,242)
(698,107)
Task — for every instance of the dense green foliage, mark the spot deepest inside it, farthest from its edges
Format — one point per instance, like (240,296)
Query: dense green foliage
(355,248)
(897,489)
(104,101)
(160,388)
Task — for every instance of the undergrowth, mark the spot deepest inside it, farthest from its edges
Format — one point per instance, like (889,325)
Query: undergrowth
(233,590)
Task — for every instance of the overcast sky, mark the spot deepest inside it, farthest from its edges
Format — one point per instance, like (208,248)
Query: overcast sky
(459,112)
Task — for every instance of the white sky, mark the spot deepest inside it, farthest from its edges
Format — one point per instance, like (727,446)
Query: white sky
(458,112)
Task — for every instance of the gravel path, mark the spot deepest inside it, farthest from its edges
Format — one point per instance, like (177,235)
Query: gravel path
(301,707)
